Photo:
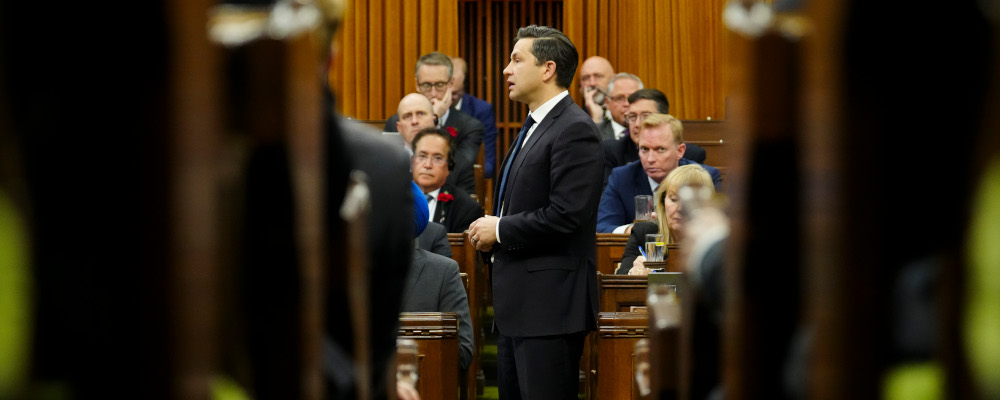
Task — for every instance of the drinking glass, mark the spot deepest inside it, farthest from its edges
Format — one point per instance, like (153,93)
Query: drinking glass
(663,304)
(655,247)
(643,208)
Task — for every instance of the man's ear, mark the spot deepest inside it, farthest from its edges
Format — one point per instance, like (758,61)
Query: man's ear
(550,71)
(680,149)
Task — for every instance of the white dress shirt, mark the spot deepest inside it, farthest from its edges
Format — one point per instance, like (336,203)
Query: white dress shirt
(537,115)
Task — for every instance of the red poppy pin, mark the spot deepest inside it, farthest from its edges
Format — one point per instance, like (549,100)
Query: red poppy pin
(452,131)
(445,197)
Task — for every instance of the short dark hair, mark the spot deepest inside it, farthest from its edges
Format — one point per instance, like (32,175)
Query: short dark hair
(439,132)
(552,45)
(662,105)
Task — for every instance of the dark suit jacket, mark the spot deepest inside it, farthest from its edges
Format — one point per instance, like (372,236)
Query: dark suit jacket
(469,136)
(434,239)
(456,215)
(617,206)
(483,111)
(606,130)
(544,269)
(618,153)
(695,153)
(623,151)
(434,285)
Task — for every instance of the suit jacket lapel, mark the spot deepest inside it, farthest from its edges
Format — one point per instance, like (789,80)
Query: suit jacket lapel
(540,131)
(641,181)
(442,207)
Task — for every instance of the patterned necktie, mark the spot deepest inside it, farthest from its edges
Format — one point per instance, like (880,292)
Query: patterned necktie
(528,122)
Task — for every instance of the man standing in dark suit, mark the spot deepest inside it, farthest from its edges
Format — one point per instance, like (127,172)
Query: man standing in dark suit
(432,159)
(541,243)
(433,75)
(478,109)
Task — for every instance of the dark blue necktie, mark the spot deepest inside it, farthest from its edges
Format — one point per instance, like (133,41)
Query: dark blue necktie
(528,122)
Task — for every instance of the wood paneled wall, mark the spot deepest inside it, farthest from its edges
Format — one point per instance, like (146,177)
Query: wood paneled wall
(676,46)
(378,46)
(488,28)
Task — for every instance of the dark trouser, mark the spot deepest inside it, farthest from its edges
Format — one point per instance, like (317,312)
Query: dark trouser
(539,367)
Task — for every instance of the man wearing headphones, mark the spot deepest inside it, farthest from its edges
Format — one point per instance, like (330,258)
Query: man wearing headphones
(431,165)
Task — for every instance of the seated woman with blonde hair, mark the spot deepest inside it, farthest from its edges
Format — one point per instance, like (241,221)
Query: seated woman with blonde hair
(669,221)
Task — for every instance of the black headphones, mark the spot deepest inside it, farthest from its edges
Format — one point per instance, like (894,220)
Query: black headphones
(444,134)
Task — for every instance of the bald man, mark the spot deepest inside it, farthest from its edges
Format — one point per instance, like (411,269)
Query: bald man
(416,113)
(433,75)
(595,74)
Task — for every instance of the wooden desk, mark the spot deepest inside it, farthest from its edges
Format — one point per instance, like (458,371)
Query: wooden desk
(613,354)
(621,293)
(436,335)
(610,247)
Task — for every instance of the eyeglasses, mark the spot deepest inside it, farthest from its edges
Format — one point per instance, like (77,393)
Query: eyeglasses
(619,98)
(426,86)
(637,118)
(437,160)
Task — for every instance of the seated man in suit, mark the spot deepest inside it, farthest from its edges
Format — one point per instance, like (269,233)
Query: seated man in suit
(624,150)
(433,73)
(415,114)
(595,73)
(479,109)
(661,149)
(435,240)
(432,160)
(434,284)
(622,85)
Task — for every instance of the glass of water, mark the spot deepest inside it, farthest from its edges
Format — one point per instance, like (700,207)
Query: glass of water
(655,247)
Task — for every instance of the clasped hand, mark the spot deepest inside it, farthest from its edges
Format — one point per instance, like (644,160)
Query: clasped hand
(483,232)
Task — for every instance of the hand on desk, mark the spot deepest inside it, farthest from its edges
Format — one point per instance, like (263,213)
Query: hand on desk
(639,267)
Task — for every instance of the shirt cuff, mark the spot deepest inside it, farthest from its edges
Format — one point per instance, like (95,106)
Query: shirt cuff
(498,230)
(621,229)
